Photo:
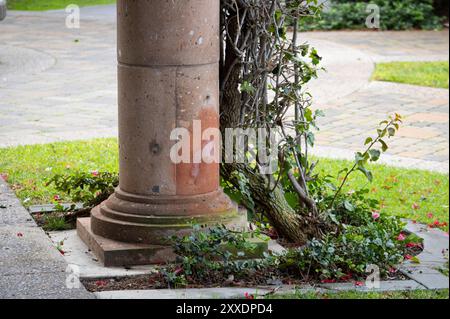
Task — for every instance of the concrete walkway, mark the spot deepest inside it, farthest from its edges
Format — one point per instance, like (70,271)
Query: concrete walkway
(30,265)
(60,84)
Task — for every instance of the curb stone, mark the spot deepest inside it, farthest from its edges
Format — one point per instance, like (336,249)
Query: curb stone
(30,266)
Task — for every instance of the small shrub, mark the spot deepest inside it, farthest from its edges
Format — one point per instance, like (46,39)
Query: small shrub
(394,15)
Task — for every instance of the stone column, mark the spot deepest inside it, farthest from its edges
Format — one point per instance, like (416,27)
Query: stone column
(168,53)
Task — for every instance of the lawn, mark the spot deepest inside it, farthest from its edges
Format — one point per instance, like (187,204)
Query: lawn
(416,294)
(40,5)
(419,195)
(431,74)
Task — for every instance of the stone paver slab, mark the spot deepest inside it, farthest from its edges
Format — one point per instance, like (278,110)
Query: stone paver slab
(209,293)
(395,285)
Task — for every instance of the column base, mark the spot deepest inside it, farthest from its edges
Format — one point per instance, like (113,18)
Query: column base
(128,230)
(112,253)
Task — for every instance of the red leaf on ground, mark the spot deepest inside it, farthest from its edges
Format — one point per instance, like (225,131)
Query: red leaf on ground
(249,296)
(100,283)
(328,281)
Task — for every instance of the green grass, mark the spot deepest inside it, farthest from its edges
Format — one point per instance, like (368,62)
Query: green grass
(407,193)
(55,223)
(416,294)
(28,167)
(40,5)
(431,74)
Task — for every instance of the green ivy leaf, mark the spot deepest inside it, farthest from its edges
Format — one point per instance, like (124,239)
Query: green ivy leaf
(374,155)
(311,138)
(348,206)
(391,131)
(384,146)
(366,172)
(368,141)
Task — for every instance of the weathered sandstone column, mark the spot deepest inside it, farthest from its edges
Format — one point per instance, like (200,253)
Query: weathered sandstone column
(168,53)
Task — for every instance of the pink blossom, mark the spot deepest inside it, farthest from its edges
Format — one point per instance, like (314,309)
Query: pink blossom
(430,215)
(375,215)
(95,173)
(57,198)
(401,237)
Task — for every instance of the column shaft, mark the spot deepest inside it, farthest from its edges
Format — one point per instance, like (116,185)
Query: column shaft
(168,54)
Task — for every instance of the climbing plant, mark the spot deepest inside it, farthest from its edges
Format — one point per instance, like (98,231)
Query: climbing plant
(265,67)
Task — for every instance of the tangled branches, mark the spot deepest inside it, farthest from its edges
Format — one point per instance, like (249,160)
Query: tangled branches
(263,73)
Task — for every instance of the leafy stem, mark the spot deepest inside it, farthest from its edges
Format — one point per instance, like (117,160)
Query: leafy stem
(371,154)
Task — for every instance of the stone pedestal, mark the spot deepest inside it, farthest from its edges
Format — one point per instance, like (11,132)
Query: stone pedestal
(168,53)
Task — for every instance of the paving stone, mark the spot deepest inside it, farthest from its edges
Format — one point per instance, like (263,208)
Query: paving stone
(435,242)
(210,293)
(27,250)
(429,279)
(395,285)
(50,285)
(76,253)
(430,117)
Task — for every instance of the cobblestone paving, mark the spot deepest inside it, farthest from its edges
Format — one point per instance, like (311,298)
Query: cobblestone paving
(72,98)
(423,140)
(60,84)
